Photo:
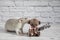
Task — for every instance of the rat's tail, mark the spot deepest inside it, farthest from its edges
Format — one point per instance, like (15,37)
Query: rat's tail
(44,27)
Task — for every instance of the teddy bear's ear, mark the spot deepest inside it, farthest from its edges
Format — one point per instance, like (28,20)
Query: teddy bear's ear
(39,22)
(29,22)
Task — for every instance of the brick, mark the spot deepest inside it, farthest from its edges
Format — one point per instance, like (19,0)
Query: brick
(51,14)
(11,14)
(15,14)
(17,9)
(33,0)
(31,14)
(57,19)
(44,14)
(46,19)
(0,18)
(4,13)
(57,9)
(55,3)
(35,3)
(46,0)
(19,3)
(48,14)
(43,8)
(57,15)
(6,3)
(4,19)
(4,9)
(18,14)
(56,0)
(30,9)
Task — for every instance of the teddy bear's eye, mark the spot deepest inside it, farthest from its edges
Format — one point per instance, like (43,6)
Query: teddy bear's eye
(21,20)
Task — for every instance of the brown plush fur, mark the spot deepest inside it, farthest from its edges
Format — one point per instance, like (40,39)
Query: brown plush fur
(33,31)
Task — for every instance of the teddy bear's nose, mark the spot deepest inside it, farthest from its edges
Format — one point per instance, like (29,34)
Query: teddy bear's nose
(32,25)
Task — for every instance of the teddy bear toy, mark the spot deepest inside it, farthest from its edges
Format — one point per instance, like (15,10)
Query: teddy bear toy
(33,31)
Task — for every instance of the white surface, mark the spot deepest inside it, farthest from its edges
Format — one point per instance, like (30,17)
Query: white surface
(52,33)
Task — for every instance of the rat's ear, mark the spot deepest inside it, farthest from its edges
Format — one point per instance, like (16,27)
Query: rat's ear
(29,22)
(19,21)
(39,22)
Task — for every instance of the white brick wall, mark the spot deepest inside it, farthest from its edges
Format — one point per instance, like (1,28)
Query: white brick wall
(44,10)
(35,3)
